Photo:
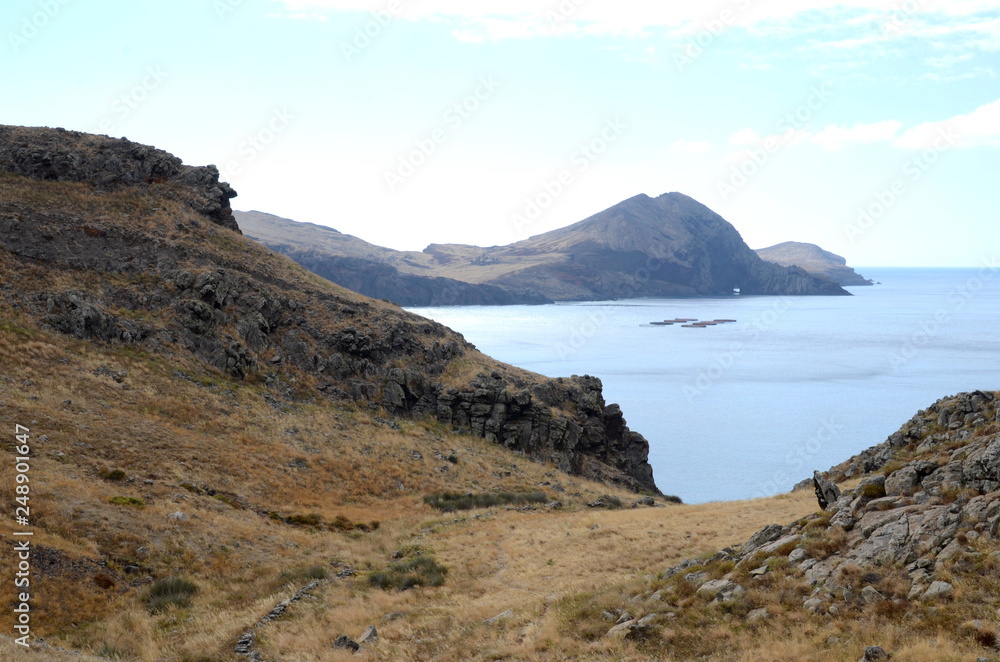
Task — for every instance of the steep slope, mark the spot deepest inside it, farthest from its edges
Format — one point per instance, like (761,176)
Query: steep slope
(369,269)
(814,260)
(665,246)
(146,264)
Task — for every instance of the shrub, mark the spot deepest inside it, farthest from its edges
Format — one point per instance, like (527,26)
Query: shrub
(422,570)
(166,592)
(873,491)
(312,519)
(104,581)
(451,501)
(127,501)
(114,475)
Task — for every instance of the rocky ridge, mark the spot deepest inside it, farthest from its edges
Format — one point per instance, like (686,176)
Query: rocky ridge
(108,164)
(122,257)
(920,529)
(369,269)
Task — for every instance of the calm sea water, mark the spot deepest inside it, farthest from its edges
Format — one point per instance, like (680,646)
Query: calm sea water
(797,383)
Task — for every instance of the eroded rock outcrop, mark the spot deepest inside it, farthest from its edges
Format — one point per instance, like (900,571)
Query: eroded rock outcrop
(924,517)
(109,163)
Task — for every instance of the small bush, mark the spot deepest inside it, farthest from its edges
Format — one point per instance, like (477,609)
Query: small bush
(341,523)
(873,491)
(114,475)
(166,592)
(127,501)
(422,570)
(104,581)
(226,499)
(450,501)
(312,519)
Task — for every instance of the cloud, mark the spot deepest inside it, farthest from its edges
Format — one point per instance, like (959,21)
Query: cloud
(492,20)
(692,146)
(745,137)
(980,127)
(833,138)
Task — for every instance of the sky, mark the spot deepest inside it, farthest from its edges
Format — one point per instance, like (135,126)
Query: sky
(869,127)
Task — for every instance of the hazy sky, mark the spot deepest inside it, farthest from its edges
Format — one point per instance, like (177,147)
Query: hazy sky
(871,128)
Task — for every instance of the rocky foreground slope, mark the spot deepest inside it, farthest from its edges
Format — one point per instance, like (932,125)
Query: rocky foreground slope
(117,242)
(671,245)
(910,551)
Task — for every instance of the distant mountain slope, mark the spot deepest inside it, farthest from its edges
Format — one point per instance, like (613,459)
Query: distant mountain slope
(369,269)
(666,246)
(815,260)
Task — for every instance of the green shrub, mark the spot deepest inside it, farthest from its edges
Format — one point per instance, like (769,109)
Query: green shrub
(422,570)
(451,501)
(873,491)
(172,591)
(127,501)
(312,519)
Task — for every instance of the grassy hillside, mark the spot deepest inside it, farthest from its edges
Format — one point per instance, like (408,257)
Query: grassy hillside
(146,469)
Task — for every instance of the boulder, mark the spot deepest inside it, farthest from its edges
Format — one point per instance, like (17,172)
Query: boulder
(769,533)
(827,492)
(346,643)
(902,482)
(938,590)
(874,654)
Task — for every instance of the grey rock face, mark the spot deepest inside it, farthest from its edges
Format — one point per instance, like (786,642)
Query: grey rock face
(941,499)
(827,492)
(108,163)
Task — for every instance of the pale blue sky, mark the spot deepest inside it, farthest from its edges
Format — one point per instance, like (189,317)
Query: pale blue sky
(830,107)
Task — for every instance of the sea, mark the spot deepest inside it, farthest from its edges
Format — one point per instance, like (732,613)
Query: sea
(748,409)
